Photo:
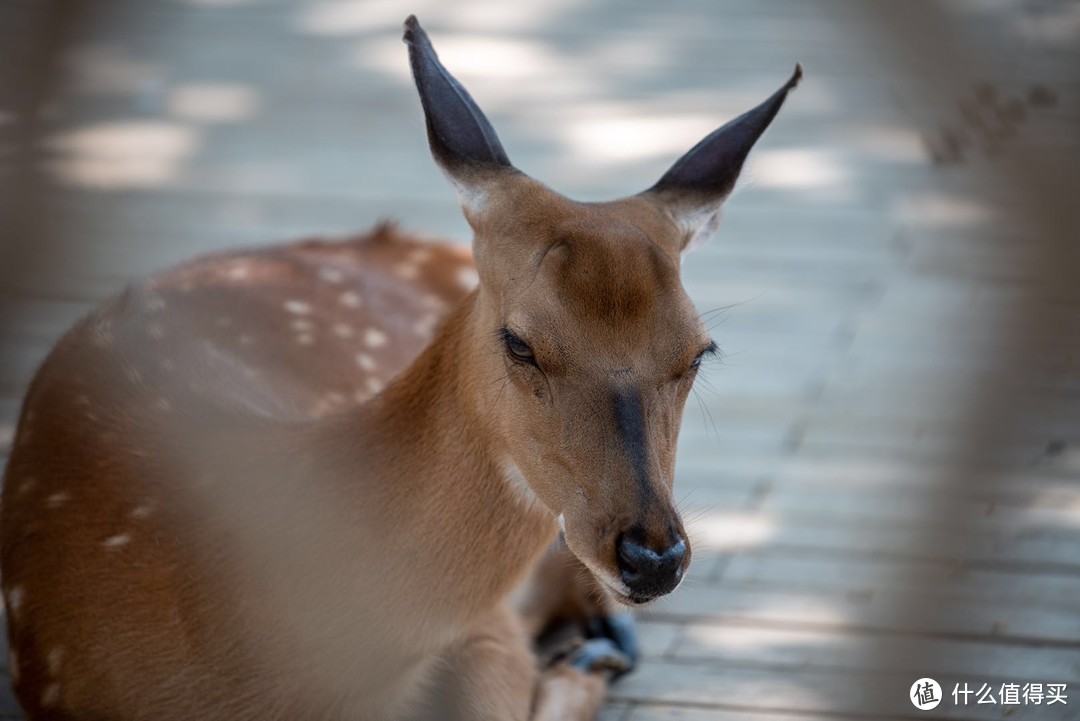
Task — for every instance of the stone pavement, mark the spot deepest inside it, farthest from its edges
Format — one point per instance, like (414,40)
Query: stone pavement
(876,286)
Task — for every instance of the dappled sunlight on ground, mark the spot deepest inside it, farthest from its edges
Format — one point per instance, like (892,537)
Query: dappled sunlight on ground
(894,144)
(610,135)
(339,18)
(730,530)
(212,102)
(501,73)
(349,17)
(124,154)
(940,210)
(810,168)
(483,58)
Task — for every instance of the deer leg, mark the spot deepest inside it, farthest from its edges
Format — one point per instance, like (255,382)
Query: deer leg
(489,675)
(562,603)
(574,689)
(492,676)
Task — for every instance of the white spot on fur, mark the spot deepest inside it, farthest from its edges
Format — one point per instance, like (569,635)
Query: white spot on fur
(239,271)
(468,278)
(374,385)
(54,659)
(425,325)
(120,539)
(375,338)
(331,275)
(301,324)
(155,304)
(350,299)
(515,480)
(561,520)
(305,339)
(56,500)
(366,362)
(142,511)
(51,695)
(298,307)
(343,330)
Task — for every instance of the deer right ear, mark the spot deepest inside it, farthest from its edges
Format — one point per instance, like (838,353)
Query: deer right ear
(695,187)
(462,140)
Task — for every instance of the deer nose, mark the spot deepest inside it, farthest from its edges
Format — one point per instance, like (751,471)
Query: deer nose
(648,573)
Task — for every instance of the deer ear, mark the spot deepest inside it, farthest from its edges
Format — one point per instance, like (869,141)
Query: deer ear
(462,140)
(698,183)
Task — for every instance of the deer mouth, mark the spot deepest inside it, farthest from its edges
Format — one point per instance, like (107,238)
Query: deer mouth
(624,595)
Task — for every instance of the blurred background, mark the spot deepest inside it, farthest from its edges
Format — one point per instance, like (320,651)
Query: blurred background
(882,475)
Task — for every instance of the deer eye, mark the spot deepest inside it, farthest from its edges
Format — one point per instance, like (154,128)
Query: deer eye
(711,349)
(518,349)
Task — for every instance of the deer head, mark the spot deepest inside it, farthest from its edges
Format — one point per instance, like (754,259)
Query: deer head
(589,342)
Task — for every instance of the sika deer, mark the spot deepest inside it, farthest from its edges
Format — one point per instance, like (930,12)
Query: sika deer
(251,488)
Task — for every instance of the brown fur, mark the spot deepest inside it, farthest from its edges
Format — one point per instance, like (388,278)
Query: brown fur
(199,502)
(272,485)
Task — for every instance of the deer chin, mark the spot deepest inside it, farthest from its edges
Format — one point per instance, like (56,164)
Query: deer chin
(617,589)
(610,583)
(621,593)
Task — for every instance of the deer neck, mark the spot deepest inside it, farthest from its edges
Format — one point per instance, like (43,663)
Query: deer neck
(459,502)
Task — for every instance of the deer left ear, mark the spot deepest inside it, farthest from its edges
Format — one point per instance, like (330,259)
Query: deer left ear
(698,183)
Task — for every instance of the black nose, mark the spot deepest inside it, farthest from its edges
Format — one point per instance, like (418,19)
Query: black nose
(645,572)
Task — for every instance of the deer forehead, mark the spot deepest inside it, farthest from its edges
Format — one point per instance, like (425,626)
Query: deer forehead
(621,250)
(615,298)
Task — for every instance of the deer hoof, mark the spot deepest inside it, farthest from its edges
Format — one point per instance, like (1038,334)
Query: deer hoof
(600,655)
